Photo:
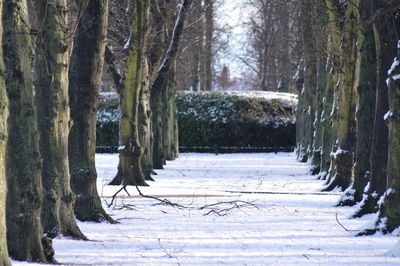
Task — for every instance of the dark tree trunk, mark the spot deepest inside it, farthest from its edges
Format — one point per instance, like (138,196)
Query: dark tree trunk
(347,83)
(85,75)
(160,86)
(384,29)
(390,209)
(4,260)
(379,149)
(51,83)
(365,111)
(23,162)
(308,102)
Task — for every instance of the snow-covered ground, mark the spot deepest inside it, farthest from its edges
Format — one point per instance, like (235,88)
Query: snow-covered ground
(234,209)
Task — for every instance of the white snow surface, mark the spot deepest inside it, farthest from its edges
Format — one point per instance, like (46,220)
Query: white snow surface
(286,220)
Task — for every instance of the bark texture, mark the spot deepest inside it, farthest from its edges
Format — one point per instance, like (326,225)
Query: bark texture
(23,162)
(346,80)
(365,110)
(161,90)
(390,209)
(131,149)
(51,83)
(85,73)
(4,260)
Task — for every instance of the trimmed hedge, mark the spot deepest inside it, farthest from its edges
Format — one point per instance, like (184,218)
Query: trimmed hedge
(108,115)
(217,119)
(238,119)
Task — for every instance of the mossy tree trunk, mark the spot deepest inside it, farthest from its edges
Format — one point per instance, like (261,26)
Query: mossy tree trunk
(130,170)
(51,84)
(347,84)
(85,72)
(4,260)
(385,46)
(145,132)
(23,162)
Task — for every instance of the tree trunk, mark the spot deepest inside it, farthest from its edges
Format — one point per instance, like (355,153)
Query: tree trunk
(390,209)
(51,84)
(85,75)
(347,97)
(379,150)
(4,260)
(146,160)
(384,30)
(23,163)
(365,110)
(208,43)
(309,87)
(326,121)
(160,86)
(130,150)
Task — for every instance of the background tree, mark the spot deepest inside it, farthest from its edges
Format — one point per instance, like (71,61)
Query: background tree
(162,93)
(85,74)
(51,84)
(23,161)
(272,51)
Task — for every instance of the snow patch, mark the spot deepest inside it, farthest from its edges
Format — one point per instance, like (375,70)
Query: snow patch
(396,63)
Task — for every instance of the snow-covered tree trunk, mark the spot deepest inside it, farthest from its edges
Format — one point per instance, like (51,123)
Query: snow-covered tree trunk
(365,110)
(23,161)
(346,82)
(385,50)
(390,208)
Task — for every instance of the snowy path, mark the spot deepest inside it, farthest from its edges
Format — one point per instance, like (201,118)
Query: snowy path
(289,224)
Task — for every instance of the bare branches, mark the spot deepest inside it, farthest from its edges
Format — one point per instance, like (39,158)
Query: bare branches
(222,208)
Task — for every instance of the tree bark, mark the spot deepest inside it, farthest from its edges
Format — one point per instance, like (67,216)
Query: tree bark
(208,43)
(23,162)
(130,149)
(85,72)
(326,121)
(159,86)
(385,27)
(51,84)
(308,103)
(365,110)
(4,260)
(390,210)
(384,47)
(347,84)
